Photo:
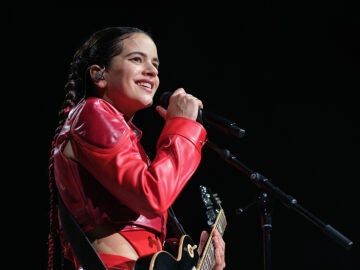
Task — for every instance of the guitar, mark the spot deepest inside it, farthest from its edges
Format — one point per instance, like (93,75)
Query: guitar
(216,220)
(188,257)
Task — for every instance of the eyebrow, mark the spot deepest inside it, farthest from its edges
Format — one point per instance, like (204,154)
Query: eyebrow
(143,54)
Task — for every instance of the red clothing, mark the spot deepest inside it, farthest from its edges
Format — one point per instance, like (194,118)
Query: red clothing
(145,243)
(113,183)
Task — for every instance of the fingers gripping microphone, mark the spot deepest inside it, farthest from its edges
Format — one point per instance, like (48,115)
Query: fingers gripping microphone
(210,119)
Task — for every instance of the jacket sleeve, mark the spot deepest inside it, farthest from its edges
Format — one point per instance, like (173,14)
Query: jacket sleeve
(109,149)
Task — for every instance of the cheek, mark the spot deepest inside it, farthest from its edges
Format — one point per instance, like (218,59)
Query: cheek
(157,83)
(124,71)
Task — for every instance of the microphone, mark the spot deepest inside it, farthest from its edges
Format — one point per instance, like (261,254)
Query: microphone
(209,119)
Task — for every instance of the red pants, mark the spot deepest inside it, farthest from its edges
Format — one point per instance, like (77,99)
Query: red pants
(144,242)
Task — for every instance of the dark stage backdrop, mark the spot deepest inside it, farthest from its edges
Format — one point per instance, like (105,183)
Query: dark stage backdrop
(286,73)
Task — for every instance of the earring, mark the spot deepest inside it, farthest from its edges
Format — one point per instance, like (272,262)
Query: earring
(99,76)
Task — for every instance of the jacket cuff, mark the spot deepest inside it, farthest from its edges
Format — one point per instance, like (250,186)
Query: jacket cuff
(190,129)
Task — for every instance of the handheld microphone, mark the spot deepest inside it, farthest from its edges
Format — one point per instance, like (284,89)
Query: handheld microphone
(209,119)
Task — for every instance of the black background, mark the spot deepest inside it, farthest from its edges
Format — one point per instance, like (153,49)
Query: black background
(286,73)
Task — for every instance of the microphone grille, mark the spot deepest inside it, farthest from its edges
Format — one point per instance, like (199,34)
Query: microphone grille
(164,99)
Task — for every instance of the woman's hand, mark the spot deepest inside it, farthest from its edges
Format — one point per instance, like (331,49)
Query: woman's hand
(219,248)
(181,104)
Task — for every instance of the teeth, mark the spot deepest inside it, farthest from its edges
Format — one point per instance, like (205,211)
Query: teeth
(148,85)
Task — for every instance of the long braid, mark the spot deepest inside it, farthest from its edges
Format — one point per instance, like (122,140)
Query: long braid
(55,252)
(75,90)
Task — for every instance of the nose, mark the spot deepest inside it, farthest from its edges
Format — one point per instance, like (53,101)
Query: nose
(151,70)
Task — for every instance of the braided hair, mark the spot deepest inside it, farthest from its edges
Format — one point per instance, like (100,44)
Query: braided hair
(99,49)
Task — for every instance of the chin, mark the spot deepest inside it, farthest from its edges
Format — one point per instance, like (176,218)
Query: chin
(148,102)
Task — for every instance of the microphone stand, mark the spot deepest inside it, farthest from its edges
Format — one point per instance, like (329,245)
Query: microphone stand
(287,200)
(266,225)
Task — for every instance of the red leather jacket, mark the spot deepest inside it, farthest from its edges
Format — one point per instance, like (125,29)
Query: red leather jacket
(113,182)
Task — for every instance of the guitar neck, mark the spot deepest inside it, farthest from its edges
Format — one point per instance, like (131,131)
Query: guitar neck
(207,261)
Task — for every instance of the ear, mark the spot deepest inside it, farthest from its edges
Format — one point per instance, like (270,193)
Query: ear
(97,75)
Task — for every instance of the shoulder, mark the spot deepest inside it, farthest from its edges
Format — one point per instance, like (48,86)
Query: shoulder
(98,106)
(98,122)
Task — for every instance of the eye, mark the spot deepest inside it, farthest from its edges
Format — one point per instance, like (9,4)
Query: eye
(136,59)
(156,65)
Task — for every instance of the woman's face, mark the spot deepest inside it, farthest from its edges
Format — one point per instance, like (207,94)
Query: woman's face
(132,77)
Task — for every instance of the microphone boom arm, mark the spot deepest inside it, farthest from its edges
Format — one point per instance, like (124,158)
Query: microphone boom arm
(284,198)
